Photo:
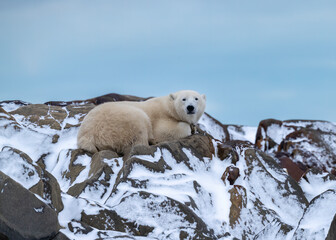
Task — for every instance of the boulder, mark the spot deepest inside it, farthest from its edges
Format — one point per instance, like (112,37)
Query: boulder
(238,200)
(295,170)
(23,215)
(231,174)
(21,168)
(306,142)
(111,97)
(8,121)
(104,168)
(72,167)
(225,132)
(332,230)
(317,217)
(55,117)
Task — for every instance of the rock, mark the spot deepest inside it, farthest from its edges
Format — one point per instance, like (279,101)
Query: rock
(112,97)
(315,182)
(259,161)
(110,220)
(318,214)
(42,115)
(293,169)
(238,201)
(11,105)
(21,167)
(60,236)
(164,210)
(332,230)
(55,117)
(200,146)
(225,151)
(270,194)
(265,134)
(275,230)
(280,182)
(7,122)
(81,228)
(231,174)
(23,216)
(308,142)
(49,189)
(101,175)
(71,167)
(224,132)
(321,150)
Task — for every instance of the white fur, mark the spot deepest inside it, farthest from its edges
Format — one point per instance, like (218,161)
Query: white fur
(120,125)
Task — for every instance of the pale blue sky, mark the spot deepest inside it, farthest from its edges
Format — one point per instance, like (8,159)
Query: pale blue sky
(253,59)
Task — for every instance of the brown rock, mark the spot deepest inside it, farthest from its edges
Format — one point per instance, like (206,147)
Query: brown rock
(238,201)
(225,151)
(231,174)
(112,97)
(292,168)
(110,220)
(263,141)
(9,121)
(52,116)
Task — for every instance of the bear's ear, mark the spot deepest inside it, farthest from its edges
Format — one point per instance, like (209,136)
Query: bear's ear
(204,97)
(172,96)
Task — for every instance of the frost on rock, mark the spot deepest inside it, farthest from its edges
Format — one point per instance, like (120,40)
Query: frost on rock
(224,182)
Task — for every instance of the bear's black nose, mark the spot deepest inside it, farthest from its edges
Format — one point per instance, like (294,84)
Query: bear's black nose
(190,108)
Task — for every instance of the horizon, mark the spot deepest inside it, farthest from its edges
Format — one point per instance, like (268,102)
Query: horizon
(253,61)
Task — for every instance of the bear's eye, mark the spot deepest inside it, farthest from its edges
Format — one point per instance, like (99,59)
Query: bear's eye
(184,99)
(196,98)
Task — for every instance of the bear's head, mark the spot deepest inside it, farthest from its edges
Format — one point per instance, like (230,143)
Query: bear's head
(189,105)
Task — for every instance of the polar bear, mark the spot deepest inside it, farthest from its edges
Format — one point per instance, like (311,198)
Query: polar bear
(118,126)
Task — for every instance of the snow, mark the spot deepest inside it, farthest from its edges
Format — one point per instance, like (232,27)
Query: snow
(13,165)
(210,126)
(246,133)
(316,184)
(318,216)
(9,107)
(213,199)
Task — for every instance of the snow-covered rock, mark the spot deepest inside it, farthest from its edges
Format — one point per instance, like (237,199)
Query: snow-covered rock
(224,182)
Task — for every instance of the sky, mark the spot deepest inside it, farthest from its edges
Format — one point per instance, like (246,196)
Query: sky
(252,59)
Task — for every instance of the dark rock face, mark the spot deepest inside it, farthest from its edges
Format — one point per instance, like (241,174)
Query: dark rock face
(23,216)
(332,230)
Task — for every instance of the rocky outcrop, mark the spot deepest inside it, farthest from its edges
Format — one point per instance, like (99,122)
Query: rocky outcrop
(223,182)
(23,215)
(332,230)
(306,142)
(112,97)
